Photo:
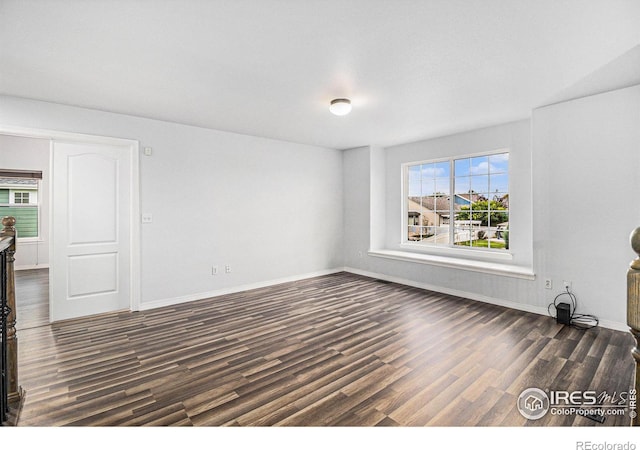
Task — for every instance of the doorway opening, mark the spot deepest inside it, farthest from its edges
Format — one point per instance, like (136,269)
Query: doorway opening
(33,276)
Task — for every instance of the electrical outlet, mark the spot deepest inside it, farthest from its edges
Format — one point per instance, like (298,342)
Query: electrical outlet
(227,268)
(548,284)
(567,285)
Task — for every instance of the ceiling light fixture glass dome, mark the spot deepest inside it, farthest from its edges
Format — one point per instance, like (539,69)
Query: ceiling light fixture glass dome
(340,106)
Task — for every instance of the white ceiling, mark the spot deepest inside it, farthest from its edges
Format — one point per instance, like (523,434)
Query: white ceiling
(414,69)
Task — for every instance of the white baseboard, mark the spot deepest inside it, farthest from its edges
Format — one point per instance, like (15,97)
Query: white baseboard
(614,325)
(32,266)
(473,296)
(232,290)
(455,292)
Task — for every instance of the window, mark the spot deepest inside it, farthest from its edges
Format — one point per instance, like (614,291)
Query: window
(461,202)
(19,198)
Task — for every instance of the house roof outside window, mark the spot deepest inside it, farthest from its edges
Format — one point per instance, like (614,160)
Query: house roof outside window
(18,183)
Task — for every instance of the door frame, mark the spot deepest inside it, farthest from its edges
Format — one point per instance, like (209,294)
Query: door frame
(134,201)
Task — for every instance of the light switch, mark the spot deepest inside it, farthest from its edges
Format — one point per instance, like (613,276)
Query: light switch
(147,218)
(148,151)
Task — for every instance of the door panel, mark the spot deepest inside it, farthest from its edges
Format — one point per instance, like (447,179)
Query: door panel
(93,274)
(90,271)
(93,212)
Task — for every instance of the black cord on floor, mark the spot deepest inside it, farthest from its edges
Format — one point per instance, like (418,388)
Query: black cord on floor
(579,321)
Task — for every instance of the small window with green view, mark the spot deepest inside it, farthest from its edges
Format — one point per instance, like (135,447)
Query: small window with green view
(19,198)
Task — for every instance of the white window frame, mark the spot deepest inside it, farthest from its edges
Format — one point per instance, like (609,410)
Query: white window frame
(21,194)
(449,249)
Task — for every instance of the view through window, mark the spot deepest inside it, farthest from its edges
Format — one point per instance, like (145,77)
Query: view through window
(459,202)
(19,198)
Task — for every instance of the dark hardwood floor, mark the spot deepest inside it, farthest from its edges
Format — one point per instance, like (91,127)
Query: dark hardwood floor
(32,298)
(337,350)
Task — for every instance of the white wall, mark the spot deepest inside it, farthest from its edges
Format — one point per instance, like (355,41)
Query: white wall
(30,154)
(370,175)
(357,208)
(582,158)
(272,210)
(586,165)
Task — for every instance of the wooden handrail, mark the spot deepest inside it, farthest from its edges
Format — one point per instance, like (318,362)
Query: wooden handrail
(633,310)
(9,236)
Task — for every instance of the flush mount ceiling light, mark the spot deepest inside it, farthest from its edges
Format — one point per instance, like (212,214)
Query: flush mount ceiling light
(340,106)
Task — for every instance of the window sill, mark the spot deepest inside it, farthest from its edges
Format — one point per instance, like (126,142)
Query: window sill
(491,268)
(457,252)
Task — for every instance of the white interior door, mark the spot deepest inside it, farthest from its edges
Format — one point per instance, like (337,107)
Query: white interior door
(91,206)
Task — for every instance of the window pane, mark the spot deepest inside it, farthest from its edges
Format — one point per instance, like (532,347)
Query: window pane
(498,217)
(428,186)
(499,183)
(501,200)
(428,170)
(420,233)
(462,185)
(462,236)
(442,205)
(480,218)
(443,219)
(499,163)
(413,209)
(442,235)
(441,169)
(442,186)
(413,233)
(461,167)
(480,165)
(413,185)
(501,236)
(413,219)
(480,183)
(426,204)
